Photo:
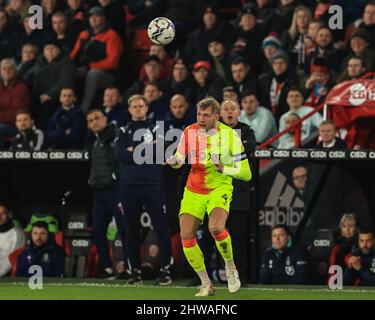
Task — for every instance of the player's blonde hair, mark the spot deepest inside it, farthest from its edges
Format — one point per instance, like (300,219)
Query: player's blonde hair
(209,102)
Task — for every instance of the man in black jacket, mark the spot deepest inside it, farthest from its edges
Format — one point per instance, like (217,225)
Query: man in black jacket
(240,206)
(136,148)
(28,136)
(104,182)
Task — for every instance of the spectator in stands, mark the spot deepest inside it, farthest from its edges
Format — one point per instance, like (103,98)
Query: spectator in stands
(42,251)
(356,69)
(28,60)
(300,179)
(67,126)
(113,108)
(14,96)
(61,33)
(287,141)
(166,61)
(157,102)
(346,239)
(144,11)
(11,238)
(49,8)
(115,15)
(142,184)
(275,84)
(181,114)
(243,80)
(76,15)
(367,22)
(9,42)
(329,140)
(182,80)
(284,262)
(319,83)
(219,58)
(238,221)
(206,83)
(153,68)
(295,102)
(249,38)
(28,137)
(270,45)
(266,13)
(97,52)
(361,263)
(37,37)
(293,40)
(284,16)
(312,31)
(257,118)
(106,192)
(197,46)
(359,45)
(324,49)
(230,94)
(17,11)
(51,73)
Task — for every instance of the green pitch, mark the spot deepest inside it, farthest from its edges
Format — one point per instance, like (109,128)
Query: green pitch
(74,289)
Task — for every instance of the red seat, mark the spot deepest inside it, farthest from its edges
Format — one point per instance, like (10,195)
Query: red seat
(13,258)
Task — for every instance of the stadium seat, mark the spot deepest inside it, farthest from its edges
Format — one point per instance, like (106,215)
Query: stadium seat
(13,257)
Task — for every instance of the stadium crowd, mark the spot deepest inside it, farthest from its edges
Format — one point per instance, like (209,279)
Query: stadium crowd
(61,86)
(83,59)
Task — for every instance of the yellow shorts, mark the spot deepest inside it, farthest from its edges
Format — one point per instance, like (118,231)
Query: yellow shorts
(197,204)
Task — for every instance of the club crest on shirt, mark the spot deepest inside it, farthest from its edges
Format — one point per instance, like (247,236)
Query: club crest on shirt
(372,269)
(148,137)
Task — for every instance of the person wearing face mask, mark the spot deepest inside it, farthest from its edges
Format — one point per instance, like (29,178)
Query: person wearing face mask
(346,239)
(284,262)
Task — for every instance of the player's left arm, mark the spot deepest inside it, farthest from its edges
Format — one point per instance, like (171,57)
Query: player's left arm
(240,168)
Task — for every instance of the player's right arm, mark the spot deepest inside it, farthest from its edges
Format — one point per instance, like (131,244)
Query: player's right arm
(178,159)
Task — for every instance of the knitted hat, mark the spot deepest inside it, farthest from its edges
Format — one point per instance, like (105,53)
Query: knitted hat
(280,54)
(271,40)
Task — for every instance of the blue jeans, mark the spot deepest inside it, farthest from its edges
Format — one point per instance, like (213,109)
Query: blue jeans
(6,130)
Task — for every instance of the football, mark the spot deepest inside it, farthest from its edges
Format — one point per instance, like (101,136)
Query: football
(161,31)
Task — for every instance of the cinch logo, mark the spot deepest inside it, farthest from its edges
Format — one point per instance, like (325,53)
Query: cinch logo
(76,225)
(80,243)
(359,94)
(322,243)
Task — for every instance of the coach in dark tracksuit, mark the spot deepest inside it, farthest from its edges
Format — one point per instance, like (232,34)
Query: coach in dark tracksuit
(43,251)
(284,262)
(104,182)
(239,215)
(361,263)
(142,184)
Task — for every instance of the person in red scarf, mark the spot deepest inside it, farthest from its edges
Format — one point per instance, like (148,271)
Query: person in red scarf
(319,82)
